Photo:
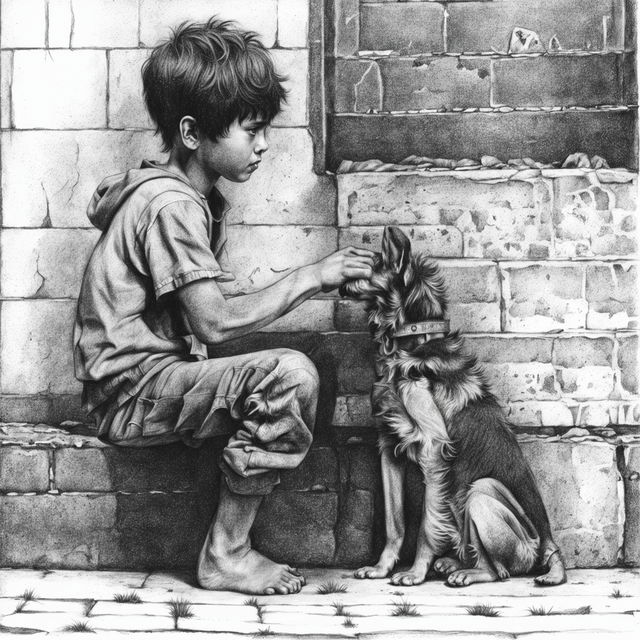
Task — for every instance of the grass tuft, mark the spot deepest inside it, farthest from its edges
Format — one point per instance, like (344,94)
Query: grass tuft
(131,597)
(540,611)
(264,631)
(404,608)
(179,608)
(79,627)
(483,610)
(28,595)
(616,593)
(339,609)
(331,587)
(348,622)
(253,602)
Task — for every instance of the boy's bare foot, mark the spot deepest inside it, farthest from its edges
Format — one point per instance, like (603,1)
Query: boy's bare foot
(247,571)
(556,574)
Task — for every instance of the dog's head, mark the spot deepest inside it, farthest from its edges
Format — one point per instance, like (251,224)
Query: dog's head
(404,288)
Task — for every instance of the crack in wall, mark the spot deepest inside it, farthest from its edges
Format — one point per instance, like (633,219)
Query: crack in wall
(42,278)
(72,25)
(46,221)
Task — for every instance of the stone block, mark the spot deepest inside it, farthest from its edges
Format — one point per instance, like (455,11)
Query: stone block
(6,71)
(354,356)
(297,528)
(352,411)
(435,241)
(44,263)
(479,26)
(294,65)
(583,351)
(155,25)
(105,23)
(23,470)
(475,317)
(126,101)
(557,81)
(51,409)
(72,89)
(36,347)
(60,23)
(471,282)
(540,297)
(358,86)
(605,413)
(312,315)
(545,136)
(82,470)
(579,486)
(318,472)
(350,316)
(407,28)
(522,381)
(538,414)
(628,362)
(587,383)
(23,24)
(346,27)
(157,529)
(505,349)
(593,218)
(293,23)
(363,468)
(284,190)
(631,478)
(612,294)
(78,531)
(630,77)
(434,83)
(48,177)
(354,532)
(282,249)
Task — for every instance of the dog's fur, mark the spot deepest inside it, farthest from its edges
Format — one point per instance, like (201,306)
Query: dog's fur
(434,407)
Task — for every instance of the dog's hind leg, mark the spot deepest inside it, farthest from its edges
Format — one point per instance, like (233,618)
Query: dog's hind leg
(393,472)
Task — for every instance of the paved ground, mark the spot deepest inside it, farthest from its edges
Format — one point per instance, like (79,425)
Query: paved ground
(602,604)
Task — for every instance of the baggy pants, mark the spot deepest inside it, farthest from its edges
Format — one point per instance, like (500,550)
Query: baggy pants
(270,396)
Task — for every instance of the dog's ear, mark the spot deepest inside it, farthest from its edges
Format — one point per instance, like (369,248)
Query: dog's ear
(396,249)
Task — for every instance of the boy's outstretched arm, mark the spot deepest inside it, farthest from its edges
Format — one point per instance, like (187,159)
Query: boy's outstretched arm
(214,319)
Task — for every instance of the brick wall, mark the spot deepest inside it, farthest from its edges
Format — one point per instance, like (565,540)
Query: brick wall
(444,72)
(541,269)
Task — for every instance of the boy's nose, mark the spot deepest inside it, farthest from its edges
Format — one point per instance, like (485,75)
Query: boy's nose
(261,143)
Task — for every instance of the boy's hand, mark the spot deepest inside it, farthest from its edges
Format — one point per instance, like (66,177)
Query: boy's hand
(346,264)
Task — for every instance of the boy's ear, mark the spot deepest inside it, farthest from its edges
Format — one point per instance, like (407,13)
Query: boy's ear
(396,249)
(189,133)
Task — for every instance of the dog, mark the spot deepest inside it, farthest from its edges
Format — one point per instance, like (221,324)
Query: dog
(483,518)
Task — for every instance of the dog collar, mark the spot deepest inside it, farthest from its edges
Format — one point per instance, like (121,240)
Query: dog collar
(421,328)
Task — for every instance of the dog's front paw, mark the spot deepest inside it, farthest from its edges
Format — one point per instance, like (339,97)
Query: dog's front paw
(371,572)
(408,578)
(446,565)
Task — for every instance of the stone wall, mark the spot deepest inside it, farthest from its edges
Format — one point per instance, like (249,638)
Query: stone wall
(541,267)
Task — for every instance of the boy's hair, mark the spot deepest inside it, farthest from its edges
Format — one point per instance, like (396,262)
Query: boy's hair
(214,72)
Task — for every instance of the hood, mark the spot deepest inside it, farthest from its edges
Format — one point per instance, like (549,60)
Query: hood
(114,190)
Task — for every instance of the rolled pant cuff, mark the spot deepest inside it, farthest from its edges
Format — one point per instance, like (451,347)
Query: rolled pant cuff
(257,485)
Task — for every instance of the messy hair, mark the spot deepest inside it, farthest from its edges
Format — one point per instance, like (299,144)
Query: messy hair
(213,72)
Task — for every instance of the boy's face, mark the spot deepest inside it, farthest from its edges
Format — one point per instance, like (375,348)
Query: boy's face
(237,155)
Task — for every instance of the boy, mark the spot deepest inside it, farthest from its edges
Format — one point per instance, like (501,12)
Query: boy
(149,301)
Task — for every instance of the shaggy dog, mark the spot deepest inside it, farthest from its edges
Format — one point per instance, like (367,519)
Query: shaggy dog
(483,518)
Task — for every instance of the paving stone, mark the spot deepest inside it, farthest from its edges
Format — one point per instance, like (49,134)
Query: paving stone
(105,23)
(358,86)
(409,28)
(35,622)
(504,349)
(23,471)
(60,23)
(628,362)
(126,102)
(544,297)
(545,136)
(293,23)
(288,248)
(72,90)
(297,527)
(317,472)
(162,587)
(50,176)
(6,71)
(434,83)
(44,263)
(284,190)
(435,241)
(8,605)
(219,626)
(611,292)
(553,81)
(522,381)
(14,582)
(23,23)
(474,26)
(131,623)
(578,483)
(347,27)
(36,346)
(74,608)
(294,65)
(155,25)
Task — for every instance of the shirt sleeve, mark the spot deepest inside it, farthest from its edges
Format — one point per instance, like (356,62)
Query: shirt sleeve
(178,248)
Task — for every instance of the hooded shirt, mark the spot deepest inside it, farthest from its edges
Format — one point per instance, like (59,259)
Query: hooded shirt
(158,234)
